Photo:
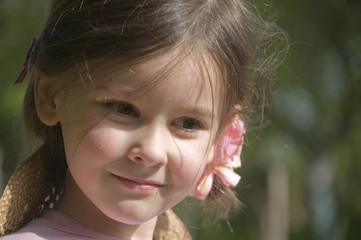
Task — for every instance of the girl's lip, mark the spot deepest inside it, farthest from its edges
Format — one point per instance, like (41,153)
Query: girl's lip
(130,181)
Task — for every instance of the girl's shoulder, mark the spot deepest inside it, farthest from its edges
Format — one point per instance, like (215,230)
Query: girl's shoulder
(53,225)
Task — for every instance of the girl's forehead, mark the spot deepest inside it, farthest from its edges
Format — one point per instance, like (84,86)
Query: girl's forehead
(167,70)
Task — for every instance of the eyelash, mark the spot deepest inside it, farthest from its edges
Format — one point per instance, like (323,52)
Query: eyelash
(123,109)
(189,124)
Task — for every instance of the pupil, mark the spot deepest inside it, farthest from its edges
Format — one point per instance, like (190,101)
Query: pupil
(189,124)
(125,109)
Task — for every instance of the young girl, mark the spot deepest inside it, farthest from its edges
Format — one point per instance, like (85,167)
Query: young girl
(135,106)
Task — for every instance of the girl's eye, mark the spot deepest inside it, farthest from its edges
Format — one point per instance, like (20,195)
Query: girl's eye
(123,108)
(188,124)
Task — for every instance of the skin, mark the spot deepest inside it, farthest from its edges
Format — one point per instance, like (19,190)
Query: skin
(132,158)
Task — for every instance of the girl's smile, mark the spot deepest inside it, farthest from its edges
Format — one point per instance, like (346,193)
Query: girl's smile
(136,156)
(139,186)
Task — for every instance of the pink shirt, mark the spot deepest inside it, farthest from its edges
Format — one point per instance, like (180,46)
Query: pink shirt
(53,225)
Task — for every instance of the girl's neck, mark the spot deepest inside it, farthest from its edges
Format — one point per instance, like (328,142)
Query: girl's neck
(87,214)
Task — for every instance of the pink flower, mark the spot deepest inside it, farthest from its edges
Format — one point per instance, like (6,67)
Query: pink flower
(227,157)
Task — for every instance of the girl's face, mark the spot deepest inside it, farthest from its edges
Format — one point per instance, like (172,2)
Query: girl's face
(134,156)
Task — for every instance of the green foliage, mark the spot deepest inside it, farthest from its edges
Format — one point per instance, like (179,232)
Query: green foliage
(20,21)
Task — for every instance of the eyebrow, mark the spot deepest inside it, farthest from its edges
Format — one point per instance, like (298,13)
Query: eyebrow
(123,89)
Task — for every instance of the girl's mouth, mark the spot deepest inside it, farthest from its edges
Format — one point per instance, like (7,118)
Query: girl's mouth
(138,185)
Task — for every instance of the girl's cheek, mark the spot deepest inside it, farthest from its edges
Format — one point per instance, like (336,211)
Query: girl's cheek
(104,140)
(193,160)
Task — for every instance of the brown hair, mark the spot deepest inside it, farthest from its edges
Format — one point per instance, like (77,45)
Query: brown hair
(239,43)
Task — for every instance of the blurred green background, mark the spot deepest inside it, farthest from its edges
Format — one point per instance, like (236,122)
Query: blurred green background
(300,175)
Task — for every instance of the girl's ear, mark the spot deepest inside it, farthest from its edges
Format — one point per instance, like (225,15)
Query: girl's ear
(45,99)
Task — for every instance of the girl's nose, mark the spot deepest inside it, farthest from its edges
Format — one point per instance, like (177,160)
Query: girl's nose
(151,147)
